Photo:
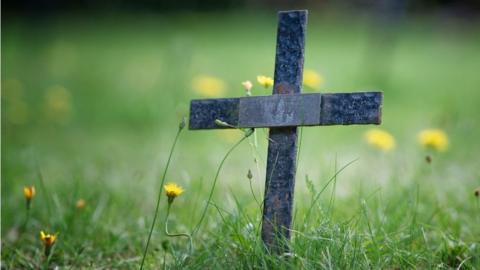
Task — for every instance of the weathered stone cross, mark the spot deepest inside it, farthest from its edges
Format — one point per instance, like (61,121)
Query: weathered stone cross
(283,112)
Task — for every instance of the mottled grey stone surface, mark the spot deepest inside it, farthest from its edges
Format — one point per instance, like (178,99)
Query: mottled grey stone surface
(279,111)
(288,110)
(282,147)
(204,112)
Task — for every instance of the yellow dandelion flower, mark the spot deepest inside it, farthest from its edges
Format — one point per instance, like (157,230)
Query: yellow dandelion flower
(58,107)
(172,190)
(48,241)
(80,204)
(433,138)
(265,81)
(208,86)
(29,193)
(312,79)
(380,139)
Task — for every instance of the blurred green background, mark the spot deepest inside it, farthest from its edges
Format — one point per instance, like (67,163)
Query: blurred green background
(92,101)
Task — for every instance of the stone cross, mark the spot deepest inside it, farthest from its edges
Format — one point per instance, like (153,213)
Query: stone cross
(283,112)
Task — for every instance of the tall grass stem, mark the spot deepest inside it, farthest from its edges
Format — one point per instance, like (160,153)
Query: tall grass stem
(160,195)
(197,227)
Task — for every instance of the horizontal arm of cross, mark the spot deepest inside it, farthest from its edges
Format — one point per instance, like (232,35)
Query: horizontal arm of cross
(288,110)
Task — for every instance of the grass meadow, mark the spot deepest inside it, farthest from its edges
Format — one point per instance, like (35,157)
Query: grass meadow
(91,106)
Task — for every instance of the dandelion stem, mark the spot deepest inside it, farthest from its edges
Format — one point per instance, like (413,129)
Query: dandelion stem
(177,234)
(23,228)
(164,260)
(47,257)
(27,218)
(44,190)
(197,227)
(160,195)
(253,194)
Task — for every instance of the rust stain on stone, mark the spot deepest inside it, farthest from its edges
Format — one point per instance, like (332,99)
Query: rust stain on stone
(283,88)
(277,202)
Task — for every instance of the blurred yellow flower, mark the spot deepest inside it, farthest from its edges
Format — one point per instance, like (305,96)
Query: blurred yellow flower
(380,139)
(80,204)
(265,81)
(172,190)
(208,86)
(433,138)
(58,104)
(48,241)
(229,135)
(312,79)
(29,192)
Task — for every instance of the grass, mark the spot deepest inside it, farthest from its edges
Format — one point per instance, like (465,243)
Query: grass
(127,81)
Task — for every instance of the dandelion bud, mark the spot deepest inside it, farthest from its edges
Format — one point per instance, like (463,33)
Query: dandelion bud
(29,193)
(48,241)
(249,175)
(182,124)
(477,192)
(80,204)
(428,159)
(248,87)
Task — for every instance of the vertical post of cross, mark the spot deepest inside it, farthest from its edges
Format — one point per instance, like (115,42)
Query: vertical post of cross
(282,149)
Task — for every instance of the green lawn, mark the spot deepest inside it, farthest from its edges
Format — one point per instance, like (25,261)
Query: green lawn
(91,105)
